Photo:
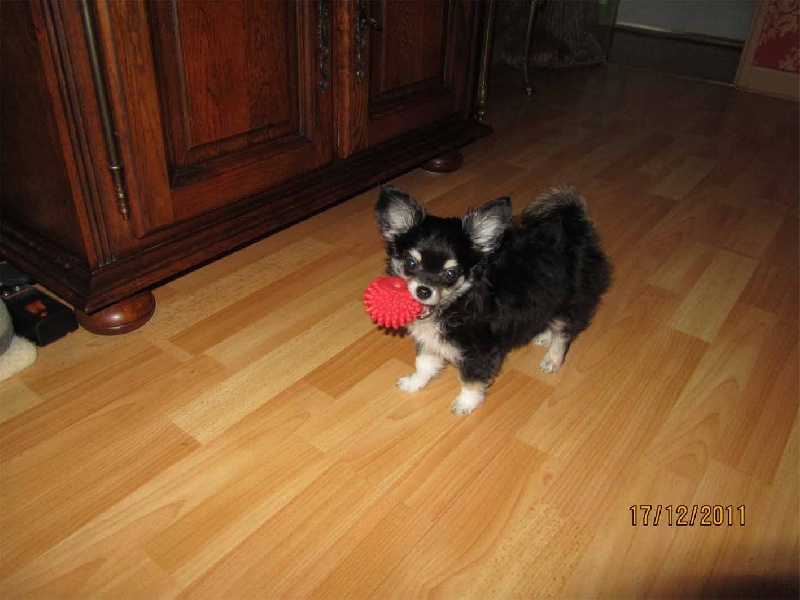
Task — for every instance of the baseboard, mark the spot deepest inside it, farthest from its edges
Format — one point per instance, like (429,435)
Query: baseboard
(772,82)
(690,55)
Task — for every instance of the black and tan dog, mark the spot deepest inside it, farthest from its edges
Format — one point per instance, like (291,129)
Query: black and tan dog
(488,287)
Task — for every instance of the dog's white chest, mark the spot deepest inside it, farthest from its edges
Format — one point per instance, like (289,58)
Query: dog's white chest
(430,339)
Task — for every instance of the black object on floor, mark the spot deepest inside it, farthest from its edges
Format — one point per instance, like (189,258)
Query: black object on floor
(36,316)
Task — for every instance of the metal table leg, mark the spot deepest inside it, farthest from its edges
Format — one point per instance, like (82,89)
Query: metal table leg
(532,10)
(486,56)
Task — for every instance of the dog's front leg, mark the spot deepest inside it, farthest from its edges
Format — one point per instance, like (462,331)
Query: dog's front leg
(428,367)
(477,374)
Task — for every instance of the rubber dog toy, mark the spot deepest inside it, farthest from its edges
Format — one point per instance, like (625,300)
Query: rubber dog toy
(389,303)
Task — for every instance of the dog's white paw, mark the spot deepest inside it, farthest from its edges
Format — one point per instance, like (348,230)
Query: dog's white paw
(548,365)
(466,402)
(411,383)
(543,339)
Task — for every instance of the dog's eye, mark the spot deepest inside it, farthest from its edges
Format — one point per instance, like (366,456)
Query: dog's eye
(410,264)
(450,275)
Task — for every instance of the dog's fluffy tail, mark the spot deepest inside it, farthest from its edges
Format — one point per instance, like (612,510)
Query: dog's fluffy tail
(558,222)
(564,202)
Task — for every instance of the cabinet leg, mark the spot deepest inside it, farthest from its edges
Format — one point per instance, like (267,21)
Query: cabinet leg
(122,317)
(446,163)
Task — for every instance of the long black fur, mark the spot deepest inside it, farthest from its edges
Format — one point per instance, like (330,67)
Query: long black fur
(521,279)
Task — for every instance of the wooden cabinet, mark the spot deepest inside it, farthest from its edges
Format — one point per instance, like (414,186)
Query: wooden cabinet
(411,67)
(233,88)
(141,138)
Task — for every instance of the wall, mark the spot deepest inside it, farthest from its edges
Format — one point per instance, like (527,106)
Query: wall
(720,18)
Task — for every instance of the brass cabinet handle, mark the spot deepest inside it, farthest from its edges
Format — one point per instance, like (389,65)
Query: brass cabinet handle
(362,20)
(115,166)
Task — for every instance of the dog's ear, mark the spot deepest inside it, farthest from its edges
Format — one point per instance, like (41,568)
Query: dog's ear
(397,212)
(486,225)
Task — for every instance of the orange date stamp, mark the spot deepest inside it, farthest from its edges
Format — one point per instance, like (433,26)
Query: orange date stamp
(683,515)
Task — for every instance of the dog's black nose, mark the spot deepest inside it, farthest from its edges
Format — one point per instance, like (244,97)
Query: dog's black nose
(423,293)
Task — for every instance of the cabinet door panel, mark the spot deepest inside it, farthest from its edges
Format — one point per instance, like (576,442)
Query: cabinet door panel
(222,100)
(226,96)
(414,58)
(408,52)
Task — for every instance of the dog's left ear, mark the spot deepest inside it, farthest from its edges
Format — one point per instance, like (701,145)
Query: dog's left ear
(486,225)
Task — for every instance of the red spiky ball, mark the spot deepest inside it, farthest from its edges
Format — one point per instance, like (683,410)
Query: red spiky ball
(389,303)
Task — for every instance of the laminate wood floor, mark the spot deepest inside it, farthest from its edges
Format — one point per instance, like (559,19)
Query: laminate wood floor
(249,441)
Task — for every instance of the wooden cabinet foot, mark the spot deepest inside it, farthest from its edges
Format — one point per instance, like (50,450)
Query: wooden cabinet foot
(122,317)
(446,163)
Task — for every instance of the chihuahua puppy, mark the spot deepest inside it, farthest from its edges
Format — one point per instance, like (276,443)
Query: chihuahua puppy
(488,287)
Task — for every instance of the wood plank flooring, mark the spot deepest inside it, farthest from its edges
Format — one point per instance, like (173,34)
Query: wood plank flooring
(249,442)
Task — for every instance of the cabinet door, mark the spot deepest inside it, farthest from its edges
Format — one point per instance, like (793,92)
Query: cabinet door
(406,66)
(216,100)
